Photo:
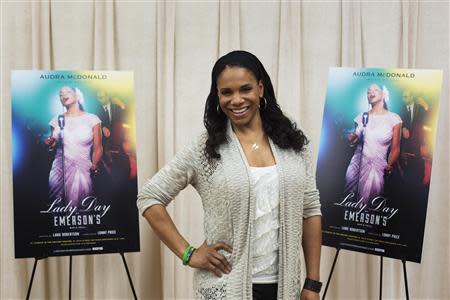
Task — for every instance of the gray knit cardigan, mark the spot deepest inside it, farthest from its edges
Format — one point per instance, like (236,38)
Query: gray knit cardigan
(228,204)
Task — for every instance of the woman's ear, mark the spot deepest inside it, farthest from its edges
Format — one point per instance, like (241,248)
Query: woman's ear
(261,89)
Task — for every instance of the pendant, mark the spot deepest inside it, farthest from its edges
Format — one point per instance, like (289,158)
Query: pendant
(255,147)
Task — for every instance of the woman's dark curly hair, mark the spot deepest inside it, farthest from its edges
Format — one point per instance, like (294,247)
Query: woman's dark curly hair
(283,132)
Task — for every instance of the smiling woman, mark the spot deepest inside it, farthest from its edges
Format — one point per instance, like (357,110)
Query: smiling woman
(253,170)
(239,96)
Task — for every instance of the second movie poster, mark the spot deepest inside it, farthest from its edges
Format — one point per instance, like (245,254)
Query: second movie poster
(74,163)
(375,159)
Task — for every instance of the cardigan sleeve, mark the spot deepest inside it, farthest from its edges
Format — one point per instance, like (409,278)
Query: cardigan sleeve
(167,183)
(311,200)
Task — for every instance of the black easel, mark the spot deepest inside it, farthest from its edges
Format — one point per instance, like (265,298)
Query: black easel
(70,276)
(128,274)
(32,278)
(381,276)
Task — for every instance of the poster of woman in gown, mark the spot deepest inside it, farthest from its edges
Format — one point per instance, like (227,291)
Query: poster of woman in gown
(74,134)
(369,164)
(72,193)
(374,165)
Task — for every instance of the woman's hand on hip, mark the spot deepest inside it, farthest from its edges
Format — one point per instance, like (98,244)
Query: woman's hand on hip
(208,258)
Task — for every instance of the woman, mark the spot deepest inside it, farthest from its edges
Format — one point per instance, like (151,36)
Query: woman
(73,134)
(253,171)
(365,174)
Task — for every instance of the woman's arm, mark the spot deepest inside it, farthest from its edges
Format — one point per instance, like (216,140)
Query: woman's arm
(159,191)
(312,243)
(98,149)
(395,147)
(51,141)
(353,137)
(165,229)
(312,226)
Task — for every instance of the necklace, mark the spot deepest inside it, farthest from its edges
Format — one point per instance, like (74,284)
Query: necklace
(255,147)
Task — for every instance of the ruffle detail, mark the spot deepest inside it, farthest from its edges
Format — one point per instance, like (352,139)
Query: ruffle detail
(266,222)
(265,265)
(267,243)
(265,183)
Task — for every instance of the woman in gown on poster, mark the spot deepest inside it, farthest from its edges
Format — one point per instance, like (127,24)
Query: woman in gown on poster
(73,134)
(365,173)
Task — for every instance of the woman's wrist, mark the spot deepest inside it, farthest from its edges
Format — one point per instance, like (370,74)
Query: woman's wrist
(187,254)
(312,285)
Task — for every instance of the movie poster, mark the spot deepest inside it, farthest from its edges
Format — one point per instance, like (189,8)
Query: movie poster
(375,159)
(74,163)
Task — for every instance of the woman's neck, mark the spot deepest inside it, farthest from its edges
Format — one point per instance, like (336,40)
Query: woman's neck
(253,129)
(73,110)
(378,108)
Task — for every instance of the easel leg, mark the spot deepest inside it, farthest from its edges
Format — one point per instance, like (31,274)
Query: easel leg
(381,277)
(331,273)
(32,278)
(129,276)
(406,279)
(70,277)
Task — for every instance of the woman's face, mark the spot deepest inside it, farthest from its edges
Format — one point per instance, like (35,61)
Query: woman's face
(374,94)
(67,96)
(239,95)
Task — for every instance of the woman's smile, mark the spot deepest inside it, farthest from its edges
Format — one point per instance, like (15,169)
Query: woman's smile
(239,112)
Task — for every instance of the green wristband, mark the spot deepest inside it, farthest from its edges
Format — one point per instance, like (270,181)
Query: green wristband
(187,254)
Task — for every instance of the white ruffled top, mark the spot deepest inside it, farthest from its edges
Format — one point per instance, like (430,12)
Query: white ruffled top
(266,224)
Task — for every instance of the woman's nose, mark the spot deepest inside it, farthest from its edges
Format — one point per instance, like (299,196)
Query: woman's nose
(237,99)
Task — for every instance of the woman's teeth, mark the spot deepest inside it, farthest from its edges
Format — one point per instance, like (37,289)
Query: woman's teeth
(240,111)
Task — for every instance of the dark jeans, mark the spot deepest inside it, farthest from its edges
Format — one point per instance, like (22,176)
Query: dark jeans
(266,291)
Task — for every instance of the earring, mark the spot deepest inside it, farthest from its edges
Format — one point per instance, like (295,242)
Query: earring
(265,103)
(218,109)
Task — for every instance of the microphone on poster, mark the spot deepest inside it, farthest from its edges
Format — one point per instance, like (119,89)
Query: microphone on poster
(61,125)
(61,121)
(365,118)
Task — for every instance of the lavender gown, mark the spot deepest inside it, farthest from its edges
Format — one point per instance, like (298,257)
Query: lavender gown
(78,140)
(377,139)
